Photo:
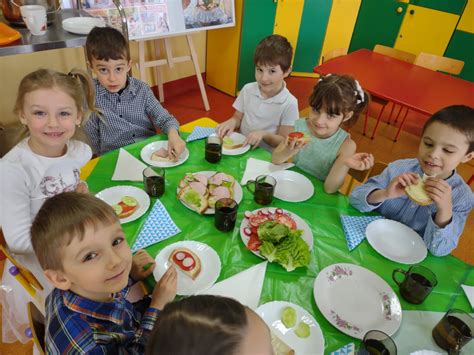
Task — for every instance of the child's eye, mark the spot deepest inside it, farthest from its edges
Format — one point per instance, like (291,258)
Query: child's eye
(118,241)
(428,144)
(39,113)
(89,257)
(65,114)
(448,151)
(118,70)
(259,70)
(103,71)
(273,71)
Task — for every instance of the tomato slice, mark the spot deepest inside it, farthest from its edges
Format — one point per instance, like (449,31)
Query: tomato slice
(126,208)
(257,220)
(180,262)
(285,219)
(254,243)
(296,135)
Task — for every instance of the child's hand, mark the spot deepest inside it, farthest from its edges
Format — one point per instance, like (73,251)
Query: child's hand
(440,192)
(360,161)
(165,289)
(396,188)
(295,145)
(254,138)
(142,265)
(226,128)
(82,187)
(176,145)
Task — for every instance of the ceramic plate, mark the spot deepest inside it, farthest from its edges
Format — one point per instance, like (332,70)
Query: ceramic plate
(292,186)
(396,241)
(300,224)
(82,25)
(113,195)
(238,193)
(238,139)
(356,300)
(271,313)
(149,149)
(210,267)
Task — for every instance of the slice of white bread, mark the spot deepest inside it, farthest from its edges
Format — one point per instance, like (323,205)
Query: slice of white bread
(229,143)
(186,261)
(126,207)
(193,199)
(280,347)
(417,193)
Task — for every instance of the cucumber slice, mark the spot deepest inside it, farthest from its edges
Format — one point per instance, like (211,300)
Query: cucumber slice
(118,209)
(130,201)
(302,330)
(288,317)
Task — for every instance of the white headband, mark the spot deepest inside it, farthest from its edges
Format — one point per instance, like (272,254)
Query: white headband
(359,92)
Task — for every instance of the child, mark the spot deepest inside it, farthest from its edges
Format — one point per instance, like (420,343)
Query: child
(330,152)
(209,325)
(130,111)
(265,110)
(81,247)
(447,141)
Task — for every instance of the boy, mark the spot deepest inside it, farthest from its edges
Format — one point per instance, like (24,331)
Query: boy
(130,111)
(265,110)
(447,141)
(83,252)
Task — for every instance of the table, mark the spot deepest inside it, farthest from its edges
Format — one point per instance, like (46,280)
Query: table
(321,212)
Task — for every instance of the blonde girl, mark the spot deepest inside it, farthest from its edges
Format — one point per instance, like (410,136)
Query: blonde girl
(329,152)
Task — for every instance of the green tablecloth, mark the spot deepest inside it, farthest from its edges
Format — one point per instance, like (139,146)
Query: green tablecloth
(321,212)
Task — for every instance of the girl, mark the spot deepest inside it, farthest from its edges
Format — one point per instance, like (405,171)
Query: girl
(330,152)
(209,325)
(46,163)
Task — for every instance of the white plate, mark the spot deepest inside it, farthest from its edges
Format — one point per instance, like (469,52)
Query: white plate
(237,138)
(292,186)
(300,224)
(356,300)
(149,149)
(113,195)
(82,25)
(396,241)
(238,193)
(210,267)
(271,313)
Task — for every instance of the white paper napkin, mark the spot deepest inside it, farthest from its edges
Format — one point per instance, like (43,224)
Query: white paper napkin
(469,291)
(256,167)
(128,167)
(245,287)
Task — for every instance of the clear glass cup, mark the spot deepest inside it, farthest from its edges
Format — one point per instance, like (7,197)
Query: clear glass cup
(454,330)
(263,189)
(213,148)
(417,284)
(225,214)
(376,342)
(154,181)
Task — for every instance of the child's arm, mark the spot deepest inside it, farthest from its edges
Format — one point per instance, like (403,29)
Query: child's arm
(395,189)
(160,117)
(92,129)
(232,124)
(165,289)
(286,150)
(255,137)
(142,265)
(176,145)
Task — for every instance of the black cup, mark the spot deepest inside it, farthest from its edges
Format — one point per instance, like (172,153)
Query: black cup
(264,188)
(154,181)
(213,149)
(454,330)
(376,342)
(417,284)
(225,214)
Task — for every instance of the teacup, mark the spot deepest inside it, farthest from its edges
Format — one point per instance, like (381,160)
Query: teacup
(263,189)
(34,17)
(454,330)
(417,284)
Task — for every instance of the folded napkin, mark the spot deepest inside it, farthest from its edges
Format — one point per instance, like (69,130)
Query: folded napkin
(354,228)
(158,226)
(348,349)
(245,287)
(256,167)
(469,291)
(128,167)
(200,133)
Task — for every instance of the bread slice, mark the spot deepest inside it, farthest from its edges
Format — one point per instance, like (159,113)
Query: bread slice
(186,261)
(417,193)
(126,207)
(280,347)
(229,143)
(193,199)
(160,155)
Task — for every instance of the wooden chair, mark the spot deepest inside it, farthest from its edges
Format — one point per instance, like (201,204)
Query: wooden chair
(361,176)
(338,52)
(439,63)
(395,53)
(37,326)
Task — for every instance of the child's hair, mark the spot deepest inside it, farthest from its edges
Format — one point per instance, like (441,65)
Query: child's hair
(106,43)
(339,94)
(203,324)
(274,50)
(458,117)
(62,218)
(77,84)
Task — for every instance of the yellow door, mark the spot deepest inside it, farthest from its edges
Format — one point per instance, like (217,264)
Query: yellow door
(287,20)
(426,30)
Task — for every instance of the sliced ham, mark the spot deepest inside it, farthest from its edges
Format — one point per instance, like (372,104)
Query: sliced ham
(160,154)
(221,192)
(219,178)
(201,178)
(199,188)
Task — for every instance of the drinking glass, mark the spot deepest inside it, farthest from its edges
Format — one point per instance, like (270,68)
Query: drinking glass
(263,189)
(376,342)
(154,181)
(225,214)
(34,17)
(417,284)
(213,148)
(454,330)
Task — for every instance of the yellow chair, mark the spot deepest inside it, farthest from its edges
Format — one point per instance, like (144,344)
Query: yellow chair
(439,63)
(338,52)
(395,53)
(37,326)
(361,176)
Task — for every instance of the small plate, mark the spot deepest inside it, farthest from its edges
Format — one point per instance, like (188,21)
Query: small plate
(237,138)
(396,241)
(292,186)
(356,300)
(210,267)
(271,313)
(113,195)
(82,25)
(149,149)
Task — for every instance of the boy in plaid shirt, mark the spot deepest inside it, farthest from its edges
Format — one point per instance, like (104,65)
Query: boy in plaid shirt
(82,249)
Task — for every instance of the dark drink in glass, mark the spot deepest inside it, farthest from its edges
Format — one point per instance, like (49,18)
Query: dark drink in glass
(263,190)
(417,284)
(376,342)
(213,149)
(154,181)
(454,330)
(374,347)
(225,214)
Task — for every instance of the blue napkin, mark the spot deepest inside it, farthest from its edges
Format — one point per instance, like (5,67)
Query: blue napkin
(200,133)
(354,228)
(348,349)
(158,226)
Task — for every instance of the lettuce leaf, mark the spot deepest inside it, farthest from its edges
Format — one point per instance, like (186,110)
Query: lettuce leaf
(268,250)
(272,231)
(293,252)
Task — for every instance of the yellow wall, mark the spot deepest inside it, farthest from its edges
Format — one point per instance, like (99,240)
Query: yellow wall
(466,23)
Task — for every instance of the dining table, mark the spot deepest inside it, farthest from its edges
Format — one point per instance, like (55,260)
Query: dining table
(321,212)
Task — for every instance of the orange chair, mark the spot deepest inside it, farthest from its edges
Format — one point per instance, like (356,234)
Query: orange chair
(338,52)
(37,322)
(361,176)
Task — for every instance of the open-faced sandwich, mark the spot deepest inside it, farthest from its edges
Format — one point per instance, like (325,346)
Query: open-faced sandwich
(186,261)
(161,155)
(126,207)
(301,137)
(233,142)
(417,193)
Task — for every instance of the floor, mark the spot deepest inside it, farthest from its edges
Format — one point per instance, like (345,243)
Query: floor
(183,99)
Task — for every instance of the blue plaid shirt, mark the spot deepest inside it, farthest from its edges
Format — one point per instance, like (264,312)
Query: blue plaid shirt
(127,117)
(439,241)
(76,325)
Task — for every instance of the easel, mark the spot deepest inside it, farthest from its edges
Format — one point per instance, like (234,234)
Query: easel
(170,61)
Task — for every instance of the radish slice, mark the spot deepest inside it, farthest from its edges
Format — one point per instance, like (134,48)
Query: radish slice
(265,212)
(279,211)
(248,214)
(188,262)
(180,256)
(247,231)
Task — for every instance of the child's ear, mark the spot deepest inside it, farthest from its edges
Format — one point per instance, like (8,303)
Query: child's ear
(129,65)
(288,72)
(79,119)
(23,119)
(348,116)
(467,157)
(58,279)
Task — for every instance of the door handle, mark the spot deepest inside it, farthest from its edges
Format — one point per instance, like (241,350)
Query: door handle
(412,12)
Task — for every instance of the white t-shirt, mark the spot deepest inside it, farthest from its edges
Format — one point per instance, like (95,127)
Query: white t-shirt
(265,114)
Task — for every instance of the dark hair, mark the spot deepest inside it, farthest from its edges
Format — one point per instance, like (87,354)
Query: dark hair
(106,43)
(274,50)
(62,218)
(458,117)
(339,94)
(202,324)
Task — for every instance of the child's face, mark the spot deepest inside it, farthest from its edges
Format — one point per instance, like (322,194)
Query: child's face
(270,79)
(51,116)
(112,74)
(98,265)
(442,149)
(257,339)
(324,125)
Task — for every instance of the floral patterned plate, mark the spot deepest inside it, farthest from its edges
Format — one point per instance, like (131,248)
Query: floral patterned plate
(356,300)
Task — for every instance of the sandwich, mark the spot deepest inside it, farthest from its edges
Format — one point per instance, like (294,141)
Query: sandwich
(161,155)
(302,137)
(280,347)
(193,198)
(126,207)
(230,143)
(186,261)
(417,193)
